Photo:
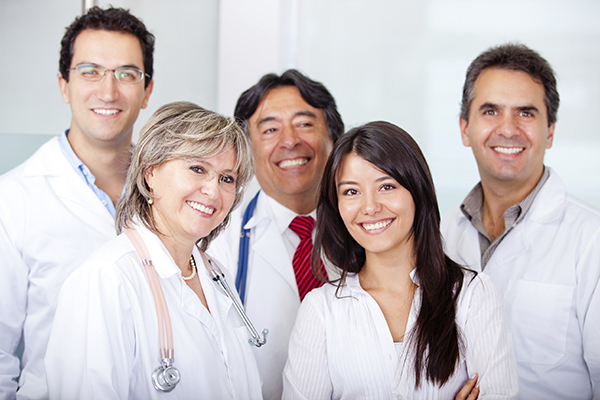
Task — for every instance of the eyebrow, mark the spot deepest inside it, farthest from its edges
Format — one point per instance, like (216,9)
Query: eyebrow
(99,65)
(380,179)
(297,114)
(203,161)
(486,106)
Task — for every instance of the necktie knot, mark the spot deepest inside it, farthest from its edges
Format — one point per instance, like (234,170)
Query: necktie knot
(303,226)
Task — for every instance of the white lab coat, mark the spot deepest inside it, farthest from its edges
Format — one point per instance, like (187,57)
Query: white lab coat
(547,269)
(105,345)
(50,221)
(272,299)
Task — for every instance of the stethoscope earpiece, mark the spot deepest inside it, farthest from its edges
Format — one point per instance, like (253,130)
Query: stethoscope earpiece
(165,377)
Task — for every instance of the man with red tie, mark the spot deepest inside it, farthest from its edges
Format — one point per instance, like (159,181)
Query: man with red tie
(293,123)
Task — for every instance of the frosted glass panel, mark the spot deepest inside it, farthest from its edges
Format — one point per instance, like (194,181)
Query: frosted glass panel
(185,61)
(405,61)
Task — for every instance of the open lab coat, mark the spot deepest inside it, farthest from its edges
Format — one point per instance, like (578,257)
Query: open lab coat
(50,221)
(105,344)
(547,269)
(272,299)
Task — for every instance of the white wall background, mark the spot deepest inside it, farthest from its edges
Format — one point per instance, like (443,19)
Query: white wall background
(396,60)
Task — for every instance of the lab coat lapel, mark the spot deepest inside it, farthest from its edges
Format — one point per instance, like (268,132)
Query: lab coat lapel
(546,208)
(70,191)
(219,304)
(468,248)
(270,247)
(512,247)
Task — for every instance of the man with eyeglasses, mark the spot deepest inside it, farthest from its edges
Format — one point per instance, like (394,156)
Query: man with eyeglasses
(58,206)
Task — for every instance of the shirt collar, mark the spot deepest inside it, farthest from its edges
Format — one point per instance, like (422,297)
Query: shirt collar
(472,206)
(282,215)
(70,155)
(353,281)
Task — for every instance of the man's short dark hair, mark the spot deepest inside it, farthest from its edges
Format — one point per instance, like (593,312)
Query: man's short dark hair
(314,93)
(516,57)
(111,19)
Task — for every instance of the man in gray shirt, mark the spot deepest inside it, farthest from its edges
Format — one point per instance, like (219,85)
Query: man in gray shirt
(540,246)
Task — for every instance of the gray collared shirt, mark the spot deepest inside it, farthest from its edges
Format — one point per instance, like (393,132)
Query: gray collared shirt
(472,208)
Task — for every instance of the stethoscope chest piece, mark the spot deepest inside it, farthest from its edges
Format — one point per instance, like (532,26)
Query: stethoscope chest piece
(165,377)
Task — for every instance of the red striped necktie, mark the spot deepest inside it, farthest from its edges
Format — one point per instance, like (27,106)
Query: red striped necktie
(303,227)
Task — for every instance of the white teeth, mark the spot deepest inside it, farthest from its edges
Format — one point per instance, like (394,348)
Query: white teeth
(104,111)
(200,207)
(508,150)
(293,163)
(378,225)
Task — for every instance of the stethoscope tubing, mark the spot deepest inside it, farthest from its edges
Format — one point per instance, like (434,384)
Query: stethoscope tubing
(165,331)
(166,376)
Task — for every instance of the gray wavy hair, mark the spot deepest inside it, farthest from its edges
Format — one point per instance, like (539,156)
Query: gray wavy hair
(175,131)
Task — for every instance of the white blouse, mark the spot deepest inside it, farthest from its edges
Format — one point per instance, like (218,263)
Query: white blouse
(104,343)
(341,347)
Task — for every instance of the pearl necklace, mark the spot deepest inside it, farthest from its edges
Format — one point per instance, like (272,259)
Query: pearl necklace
(193,264)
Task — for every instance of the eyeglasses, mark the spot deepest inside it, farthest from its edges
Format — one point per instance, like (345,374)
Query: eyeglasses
(95,73)
(226,181)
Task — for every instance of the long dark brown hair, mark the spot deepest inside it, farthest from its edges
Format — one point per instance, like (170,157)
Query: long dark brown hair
(435,339)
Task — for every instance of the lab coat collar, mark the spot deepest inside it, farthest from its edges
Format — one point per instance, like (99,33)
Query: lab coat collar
(549,203)
(268,237)
(49,161)
(38,165)
(268,207)
(161,258)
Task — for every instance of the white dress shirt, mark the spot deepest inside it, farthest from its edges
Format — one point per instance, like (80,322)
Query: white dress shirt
(341,347)
(104,343)
(547,270)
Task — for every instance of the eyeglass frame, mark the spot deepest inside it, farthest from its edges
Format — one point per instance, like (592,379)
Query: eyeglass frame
(211,174)
(113,71)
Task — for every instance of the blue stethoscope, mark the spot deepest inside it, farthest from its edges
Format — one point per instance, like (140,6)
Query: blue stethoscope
(242,272)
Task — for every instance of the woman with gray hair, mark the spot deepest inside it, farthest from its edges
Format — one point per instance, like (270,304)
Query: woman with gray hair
(187,173)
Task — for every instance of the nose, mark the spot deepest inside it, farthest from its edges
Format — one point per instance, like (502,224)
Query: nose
(107,89)
(210,186)
(371,204)
(289,138)
(508,126)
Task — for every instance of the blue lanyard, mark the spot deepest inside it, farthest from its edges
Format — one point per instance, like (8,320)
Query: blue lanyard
(242,272)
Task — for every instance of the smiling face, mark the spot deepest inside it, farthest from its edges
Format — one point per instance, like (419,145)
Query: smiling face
(103,112)
(508,128)
(192,196)
(377,211)
(291,145)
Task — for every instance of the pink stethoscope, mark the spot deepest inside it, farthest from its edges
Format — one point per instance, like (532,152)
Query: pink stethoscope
(165,377)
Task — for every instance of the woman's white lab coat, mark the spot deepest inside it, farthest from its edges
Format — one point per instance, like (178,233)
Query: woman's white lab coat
(547,269)
(104,344)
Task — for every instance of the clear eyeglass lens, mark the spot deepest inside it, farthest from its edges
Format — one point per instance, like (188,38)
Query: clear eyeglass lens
(95,73)
(227,182)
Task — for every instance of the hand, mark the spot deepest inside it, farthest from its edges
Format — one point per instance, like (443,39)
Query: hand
(469,391)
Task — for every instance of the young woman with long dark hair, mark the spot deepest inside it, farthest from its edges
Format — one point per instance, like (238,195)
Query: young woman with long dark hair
(404,320)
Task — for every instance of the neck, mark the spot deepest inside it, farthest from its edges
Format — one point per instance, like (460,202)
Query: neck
(108,163)
(300,204)
(388,270)
(499,197)
(180,252)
